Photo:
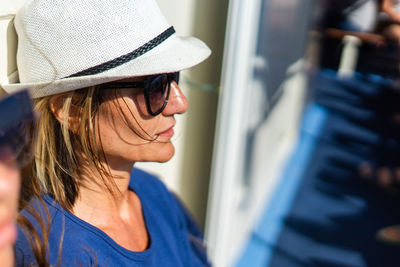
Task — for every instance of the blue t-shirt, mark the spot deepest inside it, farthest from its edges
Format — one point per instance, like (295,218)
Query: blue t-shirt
(175,240)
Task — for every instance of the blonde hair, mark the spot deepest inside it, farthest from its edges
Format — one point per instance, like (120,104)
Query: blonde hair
(56,166)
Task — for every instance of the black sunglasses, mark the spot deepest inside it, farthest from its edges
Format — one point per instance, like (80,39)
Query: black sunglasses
(156,90)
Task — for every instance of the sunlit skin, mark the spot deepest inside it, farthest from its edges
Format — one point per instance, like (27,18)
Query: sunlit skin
(152,141)
(121,216)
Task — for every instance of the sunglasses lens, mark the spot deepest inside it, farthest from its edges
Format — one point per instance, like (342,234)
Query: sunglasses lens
(174,77)
(157,92)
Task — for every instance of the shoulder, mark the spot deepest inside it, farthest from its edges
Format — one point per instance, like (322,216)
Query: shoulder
(156,196)
(43,227)
(167,205)
(149,184)
(151,188)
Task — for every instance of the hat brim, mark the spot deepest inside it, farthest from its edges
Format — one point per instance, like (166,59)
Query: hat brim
(172,55)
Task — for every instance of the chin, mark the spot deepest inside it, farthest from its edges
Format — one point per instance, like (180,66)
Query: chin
(165,156)
(160,153)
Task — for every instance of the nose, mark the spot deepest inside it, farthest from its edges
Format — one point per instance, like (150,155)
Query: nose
(177,102)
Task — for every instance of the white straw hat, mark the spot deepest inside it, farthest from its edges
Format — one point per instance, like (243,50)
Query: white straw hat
(66,45)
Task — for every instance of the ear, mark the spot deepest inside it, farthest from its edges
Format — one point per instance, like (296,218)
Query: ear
(64,112)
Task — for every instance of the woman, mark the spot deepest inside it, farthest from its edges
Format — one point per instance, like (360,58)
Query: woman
(104,75)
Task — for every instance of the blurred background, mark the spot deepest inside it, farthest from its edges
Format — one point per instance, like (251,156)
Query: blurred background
(288,154)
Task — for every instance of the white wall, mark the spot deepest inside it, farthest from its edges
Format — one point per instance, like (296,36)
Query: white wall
(7,8)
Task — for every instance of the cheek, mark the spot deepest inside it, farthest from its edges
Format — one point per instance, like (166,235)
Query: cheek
(122,120)
(126,146)
(140,103)
(135,115)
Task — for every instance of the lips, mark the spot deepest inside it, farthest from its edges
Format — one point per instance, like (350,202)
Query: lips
(167,133)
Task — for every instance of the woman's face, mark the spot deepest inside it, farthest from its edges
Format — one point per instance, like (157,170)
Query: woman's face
(128,133)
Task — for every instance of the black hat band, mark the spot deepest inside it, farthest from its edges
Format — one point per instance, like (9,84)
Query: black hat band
(127,57)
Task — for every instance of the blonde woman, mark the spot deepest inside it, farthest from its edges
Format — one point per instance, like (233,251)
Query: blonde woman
(104,76)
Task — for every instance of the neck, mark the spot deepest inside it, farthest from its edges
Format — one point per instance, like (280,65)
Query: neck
(104,193)
(118,214)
